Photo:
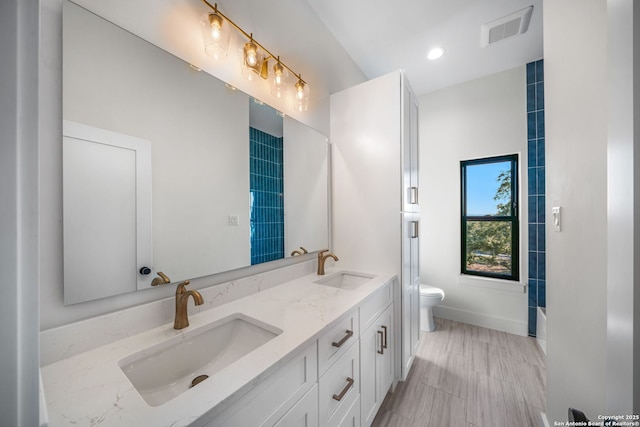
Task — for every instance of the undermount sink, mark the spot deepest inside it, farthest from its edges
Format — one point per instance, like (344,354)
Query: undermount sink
(349,280)
(166,370)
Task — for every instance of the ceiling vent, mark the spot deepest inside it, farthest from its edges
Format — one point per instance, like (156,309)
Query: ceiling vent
(506,27)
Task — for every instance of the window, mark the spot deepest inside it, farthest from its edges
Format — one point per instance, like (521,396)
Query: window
(490,217)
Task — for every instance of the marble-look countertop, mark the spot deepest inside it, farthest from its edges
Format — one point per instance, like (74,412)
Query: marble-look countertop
(90,389)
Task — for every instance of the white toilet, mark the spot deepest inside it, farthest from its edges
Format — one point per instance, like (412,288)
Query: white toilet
(429,298)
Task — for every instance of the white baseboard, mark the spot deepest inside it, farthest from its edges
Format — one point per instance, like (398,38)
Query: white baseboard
(480,319)
(541,329)
(545,422)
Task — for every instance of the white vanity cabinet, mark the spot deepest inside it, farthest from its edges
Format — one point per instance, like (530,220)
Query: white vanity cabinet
(376,352)
(374,135)
(280,397)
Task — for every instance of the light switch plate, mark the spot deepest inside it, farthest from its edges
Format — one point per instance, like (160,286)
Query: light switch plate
(555,213)
(234,220)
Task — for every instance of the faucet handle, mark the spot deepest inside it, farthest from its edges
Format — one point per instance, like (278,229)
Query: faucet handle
(161,280)
(181,287)
(321,252)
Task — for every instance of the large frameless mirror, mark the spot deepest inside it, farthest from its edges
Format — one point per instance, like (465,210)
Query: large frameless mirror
(167,169)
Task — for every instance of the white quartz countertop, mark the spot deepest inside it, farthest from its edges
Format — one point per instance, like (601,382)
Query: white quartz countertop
(90,389)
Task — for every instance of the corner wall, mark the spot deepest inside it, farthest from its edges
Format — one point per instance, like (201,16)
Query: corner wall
(19,305)
(481,118)
(623,289)
(575,50)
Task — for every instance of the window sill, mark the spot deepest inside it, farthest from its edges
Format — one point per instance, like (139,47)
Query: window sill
(491,283)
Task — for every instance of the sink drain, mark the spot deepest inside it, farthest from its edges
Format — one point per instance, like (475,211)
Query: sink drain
(197,380)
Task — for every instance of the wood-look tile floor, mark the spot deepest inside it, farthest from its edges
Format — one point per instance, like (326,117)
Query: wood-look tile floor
(468,376)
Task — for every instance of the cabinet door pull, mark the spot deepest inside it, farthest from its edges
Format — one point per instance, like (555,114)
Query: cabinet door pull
(344,391)
(414,229)
(385,337)
(342,341)
(413,195)
(382,347)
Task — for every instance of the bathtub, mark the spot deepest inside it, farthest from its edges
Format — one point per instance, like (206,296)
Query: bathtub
(541,329)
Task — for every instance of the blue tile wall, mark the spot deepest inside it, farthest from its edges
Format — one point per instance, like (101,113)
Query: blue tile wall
(266,186)
(536,190)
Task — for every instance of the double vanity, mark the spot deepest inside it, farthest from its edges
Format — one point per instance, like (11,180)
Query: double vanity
(317,350)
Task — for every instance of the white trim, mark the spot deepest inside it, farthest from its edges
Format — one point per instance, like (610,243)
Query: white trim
(481,319)
(491,283)
(543,417)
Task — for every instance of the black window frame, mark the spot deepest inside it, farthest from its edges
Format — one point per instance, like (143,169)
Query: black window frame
(513,218)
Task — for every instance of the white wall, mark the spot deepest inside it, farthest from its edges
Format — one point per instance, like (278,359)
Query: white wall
(575,46)
(623,293)
(481,118)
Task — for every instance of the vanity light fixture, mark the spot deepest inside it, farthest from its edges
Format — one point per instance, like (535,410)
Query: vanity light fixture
(255,57)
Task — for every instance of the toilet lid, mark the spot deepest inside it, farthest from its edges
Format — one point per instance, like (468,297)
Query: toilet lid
(430,291)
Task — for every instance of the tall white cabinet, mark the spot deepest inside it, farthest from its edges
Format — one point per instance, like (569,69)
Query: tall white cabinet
(374,135)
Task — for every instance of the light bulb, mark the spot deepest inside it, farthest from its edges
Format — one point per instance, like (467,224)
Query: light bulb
(301,98)
(216,33)
(279,80)
(216,26)
(251,53)
(299,90)
(277,71)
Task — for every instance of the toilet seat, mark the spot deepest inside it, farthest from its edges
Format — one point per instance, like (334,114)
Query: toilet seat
(431,292)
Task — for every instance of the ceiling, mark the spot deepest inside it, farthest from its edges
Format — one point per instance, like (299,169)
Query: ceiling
(384,36)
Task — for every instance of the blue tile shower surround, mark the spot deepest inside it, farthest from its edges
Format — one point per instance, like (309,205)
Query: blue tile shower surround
(266,187)
(536,188)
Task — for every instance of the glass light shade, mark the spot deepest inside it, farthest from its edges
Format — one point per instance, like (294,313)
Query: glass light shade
(279,80)
(301,96)
(253,64)
(215,34)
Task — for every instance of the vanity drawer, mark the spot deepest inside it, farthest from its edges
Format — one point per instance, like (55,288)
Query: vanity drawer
(275,396)
(335,342)
(375,304)
(352,418)
(303,414)
(339,387)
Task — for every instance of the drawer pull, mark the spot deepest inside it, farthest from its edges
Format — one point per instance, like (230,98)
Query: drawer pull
(414,230)
(344,391)
(342,341)
(413,195)
(385,337)
(382,347)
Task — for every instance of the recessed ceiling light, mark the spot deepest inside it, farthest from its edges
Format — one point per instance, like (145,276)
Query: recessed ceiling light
(435,53)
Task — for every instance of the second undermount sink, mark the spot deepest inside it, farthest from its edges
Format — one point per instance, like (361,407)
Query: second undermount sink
(168,369)
(349,280)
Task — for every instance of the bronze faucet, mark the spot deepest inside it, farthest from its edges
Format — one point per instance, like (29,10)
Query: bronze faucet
(302,251)
(321,260)
(162,279)
(182,297)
